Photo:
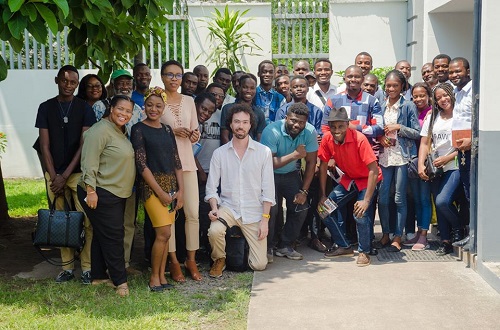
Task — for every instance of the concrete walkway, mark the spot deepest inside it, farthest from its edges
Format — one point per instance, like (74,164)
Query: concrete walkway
(318,293)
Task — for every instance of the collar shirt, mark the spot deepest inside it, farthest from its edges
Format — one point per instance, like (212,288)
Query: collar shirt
(245,183)
(314,97)
(138,98)
(269,102)
(315,115)
(352,157)
(138,114)
(365,108)
(463,104)
(281,143)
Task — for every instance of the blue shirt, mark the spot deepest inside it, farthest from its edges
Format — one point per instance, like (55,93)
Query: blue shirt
(281,144)
(138,99)
(315,115)
(269,102)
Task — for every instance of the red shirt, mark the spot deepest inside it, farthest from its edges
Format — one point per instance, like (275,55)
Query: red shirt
(352,157)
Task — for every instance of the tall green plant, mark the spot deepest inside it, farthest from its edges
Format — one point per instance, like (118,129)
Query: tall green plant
(228,42)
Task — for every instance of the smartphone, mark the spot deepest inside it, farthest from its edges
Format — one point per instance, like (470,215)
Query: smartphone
(171,206)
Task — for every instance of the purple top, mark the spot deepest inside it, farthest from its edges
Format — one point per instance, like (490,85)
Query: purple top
(421,116)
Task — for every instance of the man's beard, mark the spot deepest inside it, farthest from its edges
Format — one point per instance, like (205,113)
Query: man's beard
(240,135)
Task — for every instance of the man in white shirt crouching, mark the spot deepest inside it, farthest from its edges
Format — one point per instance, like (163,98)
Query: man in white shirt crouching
(245,170)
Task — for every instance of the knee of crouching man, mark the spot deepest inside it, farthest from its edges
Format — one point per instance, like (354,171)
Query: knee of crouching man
(257,266)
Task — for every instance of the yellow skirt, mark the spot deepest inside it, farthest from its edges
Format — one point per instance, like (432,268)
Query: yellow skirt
(159,214)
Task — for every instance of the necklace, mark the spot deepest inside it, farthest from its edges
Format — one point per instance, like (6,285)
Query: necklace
(65,114)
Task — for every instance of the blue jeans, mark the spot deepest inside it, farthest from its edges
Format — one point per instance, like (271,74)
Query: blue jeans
(422,198)
(400,175)
(444,191)
(335,221)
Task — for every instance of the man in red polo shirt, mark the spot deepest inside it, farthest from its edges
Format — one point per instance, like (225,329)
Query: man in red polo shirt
(360,174)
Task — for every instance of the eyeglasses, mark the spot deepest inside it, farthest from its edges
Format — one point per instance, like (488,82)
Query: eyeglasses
(217,95)
(170,75)
(96,86)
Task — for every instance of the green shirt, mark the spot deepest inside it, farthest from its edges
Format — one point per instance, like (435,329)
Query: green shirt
(108,159)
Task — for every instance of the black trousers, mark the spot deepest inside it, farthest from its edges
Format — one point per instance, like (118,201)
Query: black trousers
(107,251)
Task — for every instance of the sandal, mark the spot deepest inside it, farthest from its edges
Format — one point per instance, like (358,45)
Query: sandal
(193,269)
(380,245)
(122,290)
(394,248)
(176,273)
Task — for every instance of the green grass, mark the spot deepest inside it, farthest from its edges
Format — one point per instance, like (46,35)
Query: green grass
(25,196)
(42,304)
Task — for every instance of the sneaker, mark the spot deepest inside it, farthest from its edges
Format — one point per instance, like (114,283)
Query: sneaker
(340,252)
(65,276)
(86,278)
(363,260)
(421,244)
(410,236)
(270,256)
(444,249)
(289,253)
(411,241)
(217,268)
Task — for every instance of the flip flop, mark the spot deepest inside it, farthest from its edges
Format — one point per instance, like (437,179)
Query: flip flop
(393,248)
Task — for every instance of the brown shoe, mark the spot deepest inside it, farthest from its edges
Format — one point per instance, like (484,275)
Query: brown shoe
(176,273)
(192,269)
(122,290)
(340,252)
(218,267)
(317,245)
(363,260)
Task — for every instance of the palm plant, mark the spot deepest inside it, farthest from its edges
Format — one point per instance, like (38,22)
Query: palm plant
(228,42)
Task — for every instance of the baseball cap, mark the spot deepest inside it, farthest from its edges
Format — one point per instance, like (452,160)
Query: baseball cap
(121,72)
(310,74)
(339,114)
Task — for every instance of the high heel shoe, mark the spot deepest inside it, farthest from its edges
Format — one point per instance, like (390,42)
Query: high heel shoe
(193,270)
(176,273)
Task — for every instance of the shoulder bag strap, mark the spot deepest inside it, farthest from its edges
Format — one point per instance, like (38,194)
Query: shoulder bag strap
(321,97)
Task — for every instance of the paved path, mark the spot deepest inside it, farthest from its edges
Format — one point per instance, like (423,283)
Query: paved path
(317,293)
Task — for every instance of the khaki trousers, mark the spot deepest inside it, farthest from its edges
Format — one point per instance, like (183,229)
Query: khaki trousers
(191,209)
(257,257)
(70,194)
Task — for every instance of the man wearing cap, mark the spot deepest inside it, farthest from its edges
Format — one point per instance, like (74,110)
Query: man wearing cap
(311,79)
(359,175)
(122,83)
(291,139)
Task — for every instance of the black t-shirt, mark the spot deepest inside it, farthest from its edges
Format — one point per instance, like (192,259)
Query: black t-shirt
(64,135)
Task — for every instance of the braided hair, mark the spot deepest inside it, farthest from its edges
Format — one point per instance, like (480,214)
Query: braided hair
(448,89)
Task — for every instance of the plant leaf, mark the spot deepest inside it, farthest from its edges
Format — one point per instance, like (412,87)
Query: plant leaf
(17,26)
(48,16)
(3,68)
(15,5)
(63,5)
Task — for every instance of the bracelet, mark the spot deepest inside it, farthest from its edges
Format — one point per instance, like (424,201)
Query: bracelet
(267,216)
(305,192)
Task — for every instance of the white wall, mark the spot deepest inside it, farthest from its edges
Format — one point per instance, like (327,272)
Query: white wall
(377,27)
(260,13)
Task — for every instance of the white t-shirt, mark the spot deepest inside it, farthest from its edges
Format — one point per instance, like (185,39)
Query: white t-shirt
(209,139)
(441,137)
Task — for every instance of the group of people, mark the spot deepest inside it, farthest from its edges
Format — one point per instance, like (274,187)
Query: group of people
(227,160)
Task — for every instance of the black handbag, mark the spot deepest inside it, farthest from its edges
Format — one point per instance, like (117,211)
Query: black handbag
(430,169)
(413,168)
(236,248)
(59,228)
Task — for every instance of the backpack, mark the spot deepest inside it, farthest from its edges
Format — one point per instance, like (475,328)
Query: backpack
(236,248)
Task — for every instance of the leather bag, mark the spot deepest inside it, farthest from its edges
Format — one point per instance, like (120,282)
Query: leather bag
(236,248)
(59,228)
(431,170)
